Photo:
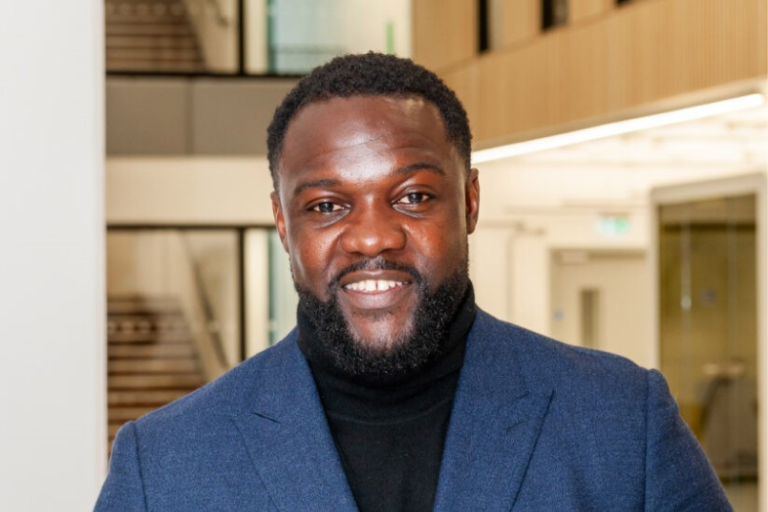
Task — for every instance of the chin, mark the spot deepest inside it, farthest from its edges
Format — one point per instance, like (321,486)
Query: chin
(385,342)
(382,339)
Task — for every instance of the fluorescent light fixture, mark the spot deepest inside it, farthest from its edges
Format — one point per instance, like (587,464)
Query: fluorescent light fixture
(619,128)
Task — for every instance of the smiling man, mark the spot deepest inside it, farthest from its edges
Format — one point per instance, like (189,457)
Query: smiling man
(374,211)
(395,393)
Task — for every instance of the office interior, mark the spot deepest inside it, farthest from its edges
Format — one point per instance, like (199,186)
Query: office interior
(622,154)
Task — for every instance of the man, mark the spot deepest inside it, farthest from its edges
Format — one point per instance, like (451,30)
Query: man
(396,393)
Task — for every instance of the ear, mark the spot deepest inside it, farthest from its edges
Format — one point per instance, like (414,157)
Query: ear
(472,198)
(277,212)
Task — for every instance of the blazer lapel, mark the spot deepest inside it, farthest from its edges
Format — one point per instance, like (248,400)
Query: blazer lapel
(494,426)
(288,438)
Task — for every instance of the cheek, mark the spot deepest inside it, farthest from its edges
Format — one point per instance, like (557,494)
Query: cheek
(441,247)
(448,231)
(310,255)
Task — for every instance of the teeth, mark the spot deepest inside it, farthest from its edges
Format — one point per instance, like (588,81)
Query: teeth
(373,285)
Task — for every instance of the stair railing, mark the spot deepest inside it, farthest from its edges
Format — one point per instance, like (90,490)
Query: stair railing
(215,24)
(218,11)
(209,315)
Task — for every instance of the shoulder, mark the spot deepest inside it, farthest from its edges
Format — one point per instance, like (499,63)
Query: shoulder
(547,363)
(234,391)
(194,452)
(612,430)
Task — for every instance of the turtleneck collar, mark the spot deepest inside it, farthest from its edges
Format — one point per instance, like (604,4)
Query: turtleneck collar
(392,396)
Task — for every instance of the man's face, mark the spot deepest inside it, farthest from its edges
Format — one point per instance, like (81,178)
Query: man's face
(374,207)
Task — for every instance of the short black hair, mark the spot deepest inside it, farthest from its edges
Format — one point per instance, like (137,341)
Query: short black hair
(370,74)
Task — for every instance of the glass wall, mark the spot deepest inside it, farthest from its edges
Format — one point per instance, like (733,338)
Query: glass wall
(248,37)
(305,33)
(172,36)
(187,304)
(708,330)
(199,270)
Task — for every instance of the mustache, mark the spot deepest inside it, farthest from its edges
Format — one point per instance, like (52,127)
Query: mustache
(378,263)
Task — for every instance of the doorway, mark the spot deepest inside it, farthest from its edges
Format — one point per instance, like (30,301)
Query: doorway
(600,299)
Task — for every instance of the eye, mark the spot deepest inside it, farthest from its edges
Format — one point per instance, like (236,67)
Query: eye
(414,198)
(326,207)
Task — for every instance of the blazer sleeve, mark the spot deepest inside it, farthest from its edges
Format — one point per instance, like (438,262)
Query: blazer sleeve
(679,477)
(123,490)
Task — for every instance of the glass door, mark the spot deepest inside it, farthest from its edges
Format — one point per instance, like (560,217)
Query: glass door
(710,325)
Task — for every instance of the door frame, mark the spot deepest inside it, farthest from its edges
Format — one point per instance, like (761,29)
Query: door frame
(598,251)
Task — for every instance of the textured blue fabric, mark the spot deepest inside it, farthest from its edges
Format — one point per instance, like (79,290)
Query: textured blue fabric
(537,426)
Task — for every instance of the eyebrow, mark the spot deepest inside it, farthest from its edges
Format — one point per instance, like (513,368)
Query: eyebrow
(326,182)
(406,170)
(419,166)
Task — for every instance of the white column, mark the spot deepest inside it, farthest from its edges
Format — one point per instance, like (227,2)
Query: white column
(52,347)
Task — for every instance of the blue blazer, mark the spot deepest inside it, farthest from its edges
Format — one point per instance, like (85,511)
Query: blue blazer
(536,426)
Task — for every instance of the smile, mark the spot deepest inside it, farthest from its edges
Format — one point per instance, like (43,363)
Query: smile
(376,290)
(373,285)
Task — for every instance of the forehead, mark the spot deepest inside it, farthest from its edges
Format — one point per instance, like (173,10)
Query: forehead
(341,126)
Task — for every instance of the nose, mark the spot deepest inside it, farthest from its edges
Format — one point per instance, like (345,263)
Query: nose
(373,230)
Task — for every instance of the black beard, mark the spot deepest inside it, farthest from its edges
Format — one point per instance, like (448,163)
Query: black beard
(417,346)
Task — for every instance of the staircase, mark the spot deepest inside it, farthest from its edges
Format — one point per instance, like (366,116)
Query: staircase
(151,36)
(151,358)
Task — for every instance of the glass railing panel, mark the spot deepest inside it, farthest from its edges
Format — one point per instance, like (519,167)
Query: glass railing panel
(305,33)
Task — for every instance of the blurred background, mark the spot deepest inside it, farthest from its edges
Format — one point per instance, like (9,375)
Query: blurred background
(622,149)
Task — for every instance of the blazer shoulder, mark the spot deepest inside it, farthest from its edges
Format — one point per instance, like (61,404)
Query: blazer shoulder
(236,389)
(545,361)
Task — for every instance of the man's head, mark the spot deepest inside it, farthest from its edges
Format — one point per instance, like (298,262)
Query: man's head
(371,74)
(373,202)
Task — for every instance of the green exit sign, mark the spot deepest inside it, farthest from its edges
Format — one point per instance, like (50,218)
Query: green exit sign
(613,225)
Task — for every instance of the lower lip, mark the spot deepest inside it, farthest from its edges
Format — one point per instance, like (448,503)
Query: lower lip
(378,299)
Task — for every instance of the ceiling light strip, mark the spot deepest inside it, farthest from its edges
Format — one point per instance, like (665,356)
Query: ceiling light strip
(619,128)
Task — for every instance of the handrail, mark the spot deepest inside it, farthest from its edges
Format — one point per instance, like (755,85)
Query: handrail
(211,324)
(221,18)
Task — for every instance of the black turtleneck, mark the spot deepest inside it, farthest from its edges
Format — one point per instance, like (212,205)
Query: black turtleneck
(390,432)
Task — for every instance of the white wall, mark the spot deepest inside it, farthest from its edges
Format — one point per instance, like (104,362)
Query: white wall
(52,364)
(188,190)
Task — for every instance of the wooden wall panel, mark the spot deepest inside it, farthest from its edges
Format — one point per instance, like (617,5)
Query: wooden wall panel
(521,90)
(521,21)
(580,10)
(688,45)
(444,32)
(644,53)
(759,39)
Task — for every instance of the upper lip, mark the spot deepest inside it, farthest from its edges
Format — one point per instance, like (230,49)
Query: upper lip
(384,275)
